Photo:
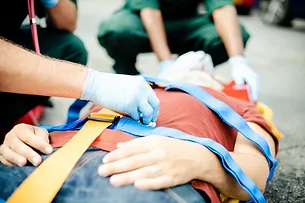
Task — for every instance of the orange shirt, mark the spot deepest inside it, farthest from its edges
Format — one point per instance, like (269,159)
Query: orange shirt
(181,111)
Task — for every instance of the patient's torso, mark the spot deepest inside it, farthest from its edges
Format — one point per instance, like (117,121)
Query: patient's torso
(183,112)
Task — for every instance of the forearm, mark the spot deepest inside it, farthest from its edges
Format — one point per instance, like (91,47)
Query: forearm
(25,72)
(153,23)
(256,168)
(63,16)
(227,25)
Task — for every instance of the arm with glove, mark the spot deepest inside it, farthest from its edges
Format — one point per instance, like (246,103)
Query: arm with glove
(226,22)
(25,72)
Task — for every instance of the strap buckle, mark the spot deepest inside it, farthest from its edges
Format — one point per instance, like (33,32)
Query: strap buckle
(157,85)
(109,118)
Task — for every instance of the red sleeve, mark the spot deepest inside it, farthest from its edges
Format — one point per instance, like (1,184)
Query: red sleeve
(247,110)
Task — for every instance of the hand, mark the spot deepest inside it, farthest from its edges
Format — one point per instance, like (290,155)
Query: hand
(49,3)
(16,148)
(242,73)
(123,93)
(153,163)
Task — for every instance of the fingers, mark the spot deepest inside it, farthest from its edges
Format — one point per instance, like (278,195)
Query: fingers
(146,109)
(132,176)
(134,113)
(25,151)
(155,104)
(18,142)
(154,183)
(5,162)
(43,133)
(123,153)
(125,165)
(254,87)
(9,157)
(239,80)
(36,138)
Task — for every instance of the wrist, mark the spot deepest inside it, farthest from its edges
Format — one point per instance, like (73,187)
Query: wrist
(238,59)
(49,3)
(165,63)
(207,164)
(89,84)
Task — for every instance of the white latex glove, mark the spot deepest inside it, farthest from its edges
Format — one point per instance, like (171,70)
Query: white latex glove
(49,3)
(187,62)
(165,64)
(242,73)
(123,93)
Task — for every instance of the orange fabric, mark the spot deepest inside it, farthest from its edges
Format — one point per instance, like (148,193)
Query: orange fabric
(183,112)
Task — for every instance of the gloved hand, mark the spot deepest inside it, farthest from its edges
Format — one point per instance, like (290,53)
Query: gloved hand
(49,3)
(242,73)
(165,64)
(123,93)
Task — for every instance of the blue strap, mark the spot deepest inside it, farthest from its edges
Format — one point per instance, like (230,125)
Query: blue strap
(132,127)
(76,125)
(74,110)
(226,113)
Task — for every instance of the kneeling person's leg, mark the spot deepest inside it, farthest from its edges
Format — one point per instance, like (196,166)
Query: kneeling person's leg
(57,44)
(124,37)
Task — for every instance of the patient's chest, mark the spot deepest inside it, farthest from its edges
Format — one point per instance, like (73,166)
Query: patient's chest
(183,112)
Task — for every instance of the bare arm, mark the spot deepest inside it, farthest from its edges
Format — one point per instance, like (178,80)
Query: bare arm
(153,23)
(63,16)
(25,72)
(248,157)
(227,25)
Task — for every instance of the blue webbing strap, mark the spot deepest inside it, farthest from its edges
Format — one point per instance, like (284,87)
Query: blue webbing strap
(132,127)
(76,125)
(226,113)
(74,110)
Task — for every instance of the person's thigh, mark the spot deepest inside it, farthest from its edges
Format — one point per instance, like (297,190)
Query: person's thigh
(56,44)
(199,33)
(124,30)
(84,185)
(123,37)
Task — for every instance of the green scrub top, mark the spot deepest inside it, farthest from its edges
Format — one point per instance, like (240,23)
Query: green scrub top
(176,9)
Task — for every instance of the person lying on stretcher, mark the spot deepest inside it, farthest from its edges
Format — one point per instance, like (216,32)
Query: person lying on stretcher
(152,168)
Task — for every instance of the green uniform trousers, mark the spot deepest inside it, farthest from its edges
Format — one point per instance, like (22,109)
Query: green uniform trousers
(54,43)
(124,37)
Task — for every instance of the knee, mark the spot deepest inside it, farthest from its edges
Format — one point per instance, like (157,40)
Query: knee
(121,30)
(113,34)
(77,50)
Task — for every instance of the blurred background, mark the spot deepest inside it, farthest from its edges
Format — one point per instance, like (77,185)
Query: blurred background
(276,51)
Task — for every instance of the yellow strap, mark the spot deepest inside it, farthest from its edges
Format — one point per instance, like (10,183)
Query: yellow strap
(44,183)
